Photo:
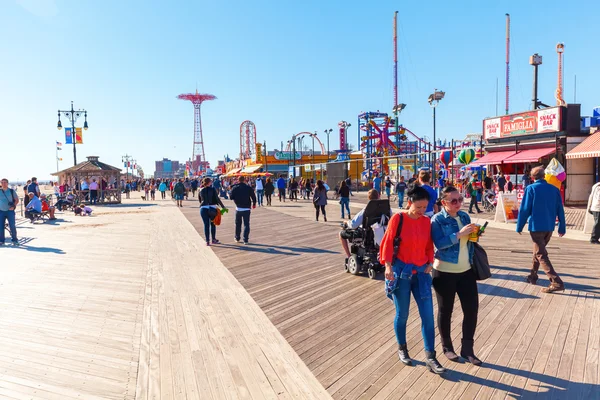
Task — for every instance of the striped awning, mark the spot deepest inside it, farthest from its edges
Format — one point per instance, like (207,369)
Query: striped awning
(589,148)
(250,169)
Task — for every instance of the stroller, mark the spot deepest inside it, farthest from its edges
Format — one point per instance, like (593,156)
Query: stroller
(489,201)
(363,246)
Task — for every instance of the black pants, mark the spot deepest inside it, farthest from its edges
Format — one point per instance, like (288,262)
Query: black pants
(281,194)
(242,216)
(322,210)
(268,196)
(596,229)
(474,203)
(93,196)
(446,286)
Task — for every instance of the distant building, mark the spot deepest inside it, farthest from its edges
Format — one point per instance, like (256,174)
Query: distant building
(166,169)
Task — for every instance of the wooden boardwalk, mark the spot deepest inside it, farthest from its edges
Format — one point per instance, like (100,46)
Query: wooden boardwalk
(533,345)
(129,304)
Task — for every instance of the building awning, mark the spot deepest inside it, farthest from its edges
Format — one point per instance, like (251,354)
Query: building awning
(233,171)
(495,158)
(589,148)
(527,156)
(250,169)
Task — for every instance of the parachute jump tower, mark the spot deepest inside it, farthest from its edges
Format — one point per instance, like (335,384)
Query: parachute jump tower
(199,163)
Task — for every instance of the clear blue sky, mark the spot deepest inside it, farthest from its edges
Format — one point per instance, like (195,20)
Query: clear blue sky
(289,67)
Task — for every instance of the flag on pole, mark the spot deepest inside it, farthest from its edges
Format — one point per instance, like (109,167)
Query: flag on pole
(59,159)
(124,165)
(78,136)
(128,164)
(68,136)
(58,143)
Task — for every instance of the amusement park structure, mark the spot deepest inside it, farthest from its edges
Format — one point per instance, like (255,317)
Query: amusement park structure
(247,139)
(199,163)
(560,101)
(309,134)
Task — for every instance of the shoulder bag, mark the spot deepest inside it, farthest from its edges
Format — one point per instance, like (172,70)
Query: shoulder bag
(480,265)
(397,238)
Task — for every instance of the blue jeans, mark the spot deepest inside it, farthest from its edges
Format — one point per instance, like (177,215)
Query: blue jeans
(401,297)
(259,195)
(388,191)
(345,201)
(209,227)
(400,199)
(10,216)
(242,216)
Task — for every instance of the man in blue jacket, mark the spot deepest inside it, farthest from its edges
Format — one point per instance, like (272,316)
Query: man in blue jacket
(281,185)
(542,204)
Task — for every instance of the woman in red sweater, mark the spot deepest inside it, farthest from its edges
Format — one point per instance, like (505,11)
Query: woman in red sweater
(407,267)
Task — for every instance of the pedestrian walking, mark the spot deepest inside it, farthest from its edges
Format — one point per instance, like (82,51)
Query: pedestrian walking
(269,190)
(8,203)
(294,185)
(400,190)
(377,183)
(473,192)
(244,199)
(407,253)
(320,199)
(162,188)
(209,200)
(541,205)
(260,191)
(452,274)
(152,189)
(179,191)
(281,187)
(344,193)
(307,189)
(593,208)
(349,184)
(509,185)
(388,186)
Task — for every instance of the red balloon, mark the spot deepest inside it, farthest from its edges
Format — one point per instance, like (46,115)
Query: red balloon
(446,157)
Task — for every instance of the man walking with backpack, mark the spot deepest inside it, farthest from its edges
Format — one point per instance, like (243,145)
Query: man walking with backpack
(244,198)
(473,191)
(179,190)
(8,203)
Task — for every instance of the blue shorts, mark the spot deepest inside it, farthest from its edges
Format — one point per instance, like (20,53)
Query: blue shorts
(179,197)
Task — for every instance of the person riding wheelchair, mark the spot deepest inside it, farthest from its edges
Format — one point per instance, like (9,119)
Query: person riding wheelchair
(360,241)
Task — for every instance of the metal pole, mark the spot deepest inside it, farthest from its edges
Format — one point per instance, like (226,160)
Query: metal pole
(294,151)
(73,134)
(266,165)
(327,145)
(434,177)
(313,157)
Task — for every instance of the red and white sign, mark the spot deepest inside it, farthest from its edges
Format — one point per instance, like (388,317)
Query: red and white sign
(519,124)
(527,123)
(491,128)
(548,120)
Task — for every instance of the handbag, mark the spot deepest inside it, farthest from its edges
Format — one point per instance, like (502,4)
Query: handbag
(397,238)
(480,265)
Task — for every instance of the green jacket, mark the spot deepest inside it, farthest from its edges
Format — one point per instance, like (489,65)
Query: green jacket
(179,188)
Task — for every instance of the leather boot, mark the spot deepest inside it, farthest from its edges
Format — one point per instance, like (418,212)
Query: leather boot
(403,354)
(433,364)
(468,354)
(448,350)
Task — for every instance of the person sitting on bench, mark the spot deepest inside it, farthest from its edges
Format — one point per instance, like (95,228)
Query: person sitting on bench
(46,207)
(34,207)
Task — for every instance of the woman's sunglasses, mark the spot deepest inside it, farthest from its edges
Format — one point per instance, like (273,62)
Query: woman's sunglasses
(456,201)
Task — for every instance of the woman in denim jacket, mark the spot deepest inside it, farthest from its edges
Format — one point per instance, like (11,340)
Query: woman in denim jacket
(452,273)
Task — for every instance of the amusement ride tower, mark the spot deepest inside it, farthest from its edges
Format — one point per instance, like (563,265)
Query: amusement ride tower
(199,163)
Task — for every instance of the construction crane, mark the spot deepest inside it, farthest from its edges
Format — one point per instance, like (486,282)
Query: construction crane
(560,49)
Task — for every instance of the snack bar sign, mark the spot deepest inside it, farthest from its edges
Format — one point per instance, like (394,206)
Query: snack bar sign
(540,121)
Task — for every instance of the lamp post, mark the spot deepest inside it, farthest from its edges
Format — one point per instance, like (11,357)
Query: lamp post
(73,116)
(313,156)
(266,165)
(434,100)
(294,155)
(127,159)
(328,132)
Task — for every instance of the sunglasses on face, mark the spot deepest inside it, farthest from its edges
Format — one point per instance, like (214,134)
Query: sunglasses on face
(456,201)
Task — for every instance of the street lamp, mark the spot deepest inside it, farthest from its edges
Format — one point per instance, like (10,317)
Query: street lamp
(313,136)
(328,132)
(73,115)
(434,100)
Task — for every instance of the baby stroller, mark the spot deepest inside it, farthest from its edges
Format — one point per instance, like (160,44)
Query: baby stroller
(489,201)
(363,247)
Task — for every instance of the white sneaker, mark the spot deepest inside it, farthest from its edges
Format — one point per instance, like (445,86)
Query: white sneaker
(236,240)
